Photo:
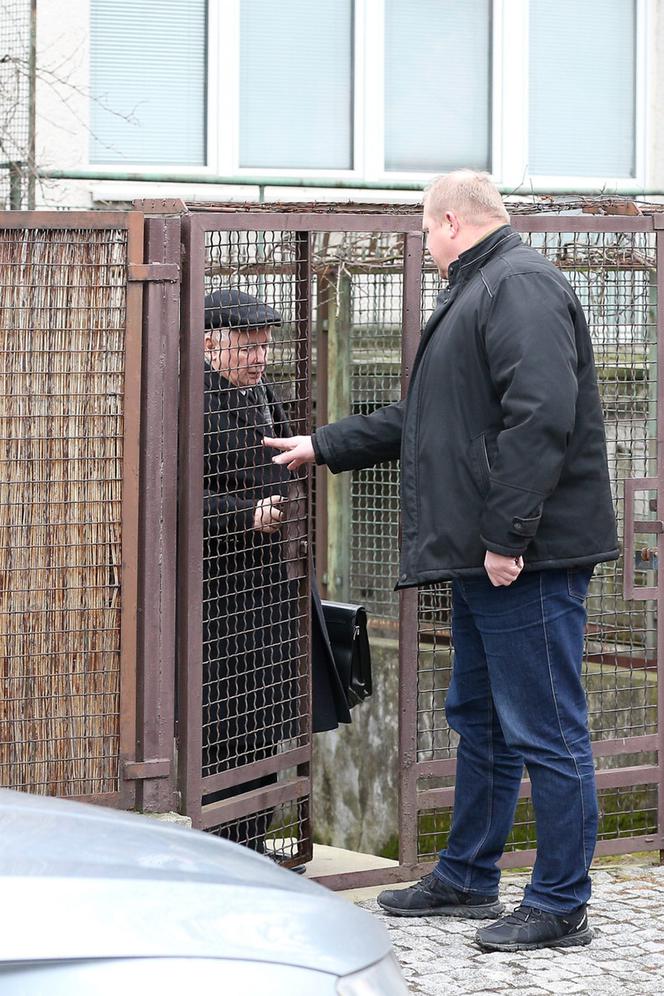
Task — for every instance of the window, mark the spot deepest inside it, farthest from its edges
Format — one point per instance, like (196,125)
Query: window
(541,92)
(437,85)
(296,80)
(582,88)
(147,81)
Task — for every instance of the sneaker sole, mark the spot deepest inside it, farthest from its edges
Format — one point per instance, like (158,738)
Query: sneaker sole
(569,941)
(488,912)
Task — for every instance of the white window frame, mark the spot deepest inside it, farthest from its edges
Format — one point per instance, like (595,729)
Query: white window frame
(513,163)
(212,85)
(225,151)
(509,105)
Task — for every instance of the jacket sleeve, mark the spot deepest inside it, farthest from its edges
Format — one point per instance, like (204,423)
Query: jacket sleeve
(531,351)
(226,515)
(360,441)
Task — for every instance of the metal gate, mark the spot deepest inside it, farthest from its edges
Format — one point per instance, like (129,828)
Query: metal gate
(245,702)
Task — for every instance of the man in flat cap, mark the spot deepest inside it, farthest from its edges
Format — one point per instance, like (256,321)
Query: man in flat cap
(252,656)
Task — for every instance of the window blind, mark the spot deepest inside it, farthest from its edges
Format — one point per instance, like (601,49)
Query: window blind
(437,85)
(296,92)
(148,81)
(582,88)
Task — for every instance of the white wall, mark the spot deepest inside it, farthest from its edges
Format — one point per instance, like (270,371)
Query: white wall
(62,124)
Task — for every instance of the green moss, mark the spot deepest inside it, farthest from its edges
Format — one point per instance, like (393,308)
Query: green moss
(623,814)
(390,849)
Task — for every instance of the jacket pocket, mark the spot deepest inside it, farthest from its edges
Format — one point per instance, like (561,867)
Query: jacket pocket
(480,463)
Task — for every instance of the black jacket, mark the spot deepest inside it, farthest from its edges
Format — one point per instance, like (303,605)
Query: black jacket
(251,640)
(501,435)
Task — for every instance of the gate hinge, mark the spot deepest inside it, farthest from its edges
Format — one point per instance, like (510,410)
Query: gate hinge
(153,272)
(140,770)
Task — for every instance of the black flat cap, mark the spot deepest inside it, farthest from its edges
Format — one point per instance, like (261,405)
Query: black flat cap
(229,308)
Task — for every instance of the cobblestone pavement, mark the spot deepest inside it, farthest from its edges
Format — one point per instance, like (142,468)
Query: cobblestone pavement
(626,957)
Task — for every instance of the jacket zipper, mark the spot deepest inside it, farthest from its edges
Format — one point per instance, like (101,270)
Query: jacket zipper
(486,459)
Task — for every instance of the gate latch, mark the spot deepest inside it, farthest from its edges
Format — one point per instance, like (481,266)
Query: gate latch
(153,272)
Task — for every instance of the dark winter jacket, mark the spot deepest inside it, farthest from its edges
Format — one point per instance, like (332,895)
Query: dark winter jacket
(501,435)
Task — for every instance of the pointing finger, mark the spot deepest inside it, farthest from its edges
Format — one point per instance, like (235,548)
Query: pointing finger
(277,444)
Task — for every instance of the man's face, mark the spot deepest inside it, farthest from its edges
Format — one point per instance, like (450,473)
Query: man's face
(240,355)
(441,236)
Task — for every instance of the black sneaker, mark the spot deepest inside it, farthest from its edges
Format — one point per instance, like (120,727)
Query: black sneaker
(433,897)
(528,928)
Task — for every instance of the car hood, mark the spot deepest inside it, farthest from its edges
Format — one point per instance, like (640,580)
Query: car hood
(87,882)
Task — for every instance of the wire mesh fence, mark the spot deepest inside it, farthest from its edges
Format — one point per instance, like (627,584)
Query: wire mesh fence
(359,295)
(62,450)
(62,360)
(282,832)
(256,641)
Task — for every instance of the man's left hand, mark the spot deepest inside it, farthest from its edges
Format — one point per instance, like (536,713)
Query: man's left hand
(502,570)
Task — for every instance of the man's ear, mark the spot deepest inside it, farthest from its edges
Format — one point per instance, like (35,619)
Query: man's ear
(452,220)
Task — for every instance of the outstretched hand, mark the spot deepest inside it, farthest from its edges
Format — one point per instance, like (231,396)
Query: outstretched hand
(502,570)
(295,450)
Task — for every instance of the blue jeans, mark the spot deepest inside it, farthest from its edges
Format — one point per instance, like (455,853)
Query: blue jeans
(516,698)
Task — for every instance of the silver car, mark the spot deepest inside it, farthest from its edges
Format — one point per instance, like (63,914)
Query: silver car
(101,902)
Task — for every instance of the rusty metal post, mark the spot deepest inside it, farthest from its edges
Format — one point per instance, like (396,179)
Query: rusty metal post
(157,525)
(190,535)
(659,236)
(322,418)
(339,405)
(303,290)
(130,509)
(408,625)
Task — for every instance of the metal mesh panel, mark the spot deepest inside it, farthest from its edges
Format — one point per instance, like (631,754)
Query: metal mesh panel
(434,669)
(281,832)
(255,598)
(376,306)
(623,812)
(62,324)
(14,99)
(359,293)
(614,277)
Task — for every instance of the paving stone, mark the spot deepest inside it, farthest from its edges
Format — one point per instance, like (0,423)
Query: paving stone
(626,958)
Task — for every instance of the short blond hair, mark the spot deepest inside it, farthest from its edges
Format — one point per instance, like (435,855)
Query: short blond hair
(470,194)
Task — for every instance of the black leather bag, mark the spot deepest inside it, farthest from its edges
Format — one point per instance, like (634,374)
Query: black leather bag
(347,629)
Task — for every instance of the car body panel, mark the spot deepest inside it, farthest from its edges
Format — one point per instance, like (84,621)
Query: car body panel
(84,882)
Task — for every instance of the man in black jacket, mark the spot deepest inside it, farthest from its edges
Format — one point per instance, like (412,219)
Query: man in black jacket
(254,663)
(505,491)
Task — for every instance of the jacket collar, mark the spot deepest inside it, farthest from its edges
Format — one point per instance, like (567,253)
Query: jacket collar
(222,383)
(470,261)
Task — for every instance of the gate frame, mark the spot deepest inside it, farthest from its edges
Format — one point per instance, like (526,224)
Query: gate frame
(190,545)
